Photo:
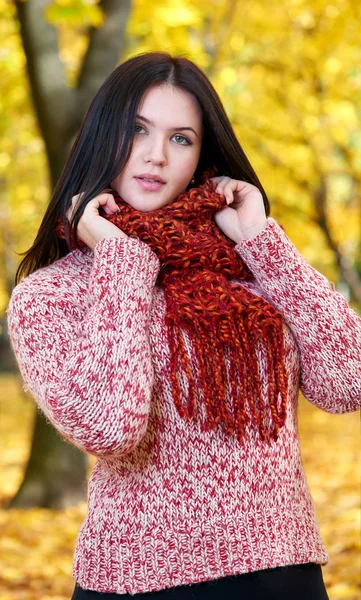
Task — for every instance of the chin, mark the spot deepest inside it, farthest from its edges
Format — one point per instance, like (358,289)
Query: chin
(144,209)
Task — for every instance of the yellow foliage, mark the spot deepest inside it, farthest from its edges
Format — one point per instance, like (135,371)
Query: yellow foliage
(74,12)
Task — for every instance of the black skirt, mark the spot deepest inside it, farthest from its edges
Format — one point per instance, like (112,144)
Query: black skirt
(296,582)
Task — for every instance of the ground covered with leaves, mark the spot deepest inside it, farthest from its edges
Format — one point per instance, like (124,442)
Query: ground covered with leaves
(38,544)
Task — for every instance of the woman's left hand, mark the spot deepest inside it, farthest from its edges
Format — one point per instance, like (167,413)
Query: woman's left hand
(246,217)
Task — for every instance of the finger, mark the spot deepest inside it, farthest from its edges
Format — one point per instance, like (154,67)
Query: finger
(75,199)
(104,200)
(215,180)
(231,187)
(229,190)
(109,204)
(74,202)
(220,190)
(114,206)
(226,191)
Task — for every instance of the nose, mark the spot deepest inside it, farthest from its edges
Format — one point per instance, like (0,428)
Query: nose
(156,152)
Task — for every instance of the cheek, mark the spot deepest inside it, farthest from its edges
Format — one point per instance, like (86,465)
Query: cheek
(189,163)
(124,175)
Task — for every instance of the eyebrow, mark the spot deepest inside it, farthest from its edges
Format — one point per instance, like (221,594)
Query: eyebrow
(173,128)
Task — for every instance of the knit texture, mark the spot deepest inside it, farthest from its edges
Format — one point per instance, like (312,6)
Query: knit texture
(169,504)
(223,320)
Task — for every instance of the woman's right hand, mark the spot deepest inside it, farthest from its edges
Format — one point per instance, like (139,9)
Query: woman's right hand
(92,227)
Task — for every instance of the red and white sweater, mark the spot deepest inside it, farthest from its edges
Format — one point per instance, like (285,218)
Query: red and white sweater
(169,505)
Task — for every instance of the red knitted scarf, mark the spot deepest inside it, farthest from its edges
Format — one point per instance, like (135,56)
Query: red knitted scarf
(225,322)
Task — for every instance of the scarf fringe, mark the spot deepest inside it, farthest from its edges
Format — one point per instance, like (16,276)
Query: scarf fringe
(243,385)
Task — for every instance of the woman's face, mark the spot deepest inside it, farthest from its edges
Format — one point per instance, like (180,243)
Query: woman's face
(167,144)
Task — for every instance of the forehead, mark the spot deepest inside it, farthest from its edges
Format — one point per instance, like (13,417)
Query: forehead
(165,102)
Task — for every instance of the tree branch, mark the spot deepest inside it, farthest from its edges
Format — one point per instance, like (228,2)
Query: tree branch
(347,271)
(51,96)
(105,47)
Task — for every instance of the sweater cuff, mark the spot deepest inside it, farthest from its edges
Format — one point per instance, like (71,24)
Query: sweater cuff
(271,246)
(122,266)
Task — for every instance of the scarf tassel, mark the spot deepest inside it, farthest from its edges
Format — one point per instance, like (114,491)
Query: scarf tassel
(243,380)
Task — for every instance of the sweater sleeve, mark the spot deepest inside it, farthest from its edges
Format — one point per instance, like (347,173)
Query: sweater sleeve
(326,329)
(92,376)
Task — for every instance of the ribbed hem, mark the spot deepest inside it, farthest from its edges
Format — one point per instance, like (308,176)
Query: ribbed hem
(137,560)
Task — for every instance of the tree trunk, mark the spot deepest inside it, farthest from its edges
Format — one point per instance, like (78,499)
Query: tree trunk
(55,476)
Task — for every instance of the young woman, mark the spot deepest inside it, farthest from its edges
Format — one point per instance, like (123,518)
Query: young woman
(166,324)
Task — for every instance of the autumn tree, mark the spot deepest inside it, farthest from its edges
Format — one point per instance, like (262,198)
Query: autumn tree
(55,473)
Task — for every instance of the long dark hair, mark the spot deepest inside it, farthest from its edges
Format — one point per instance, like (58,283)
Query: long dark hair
(104,143)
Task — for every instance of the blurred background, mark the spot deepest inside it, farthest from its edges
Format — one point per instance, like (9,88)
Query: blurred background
(289,75)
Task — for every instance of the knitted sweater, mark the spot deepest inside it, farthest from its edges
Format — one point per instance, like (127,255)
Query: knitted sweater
(169,505)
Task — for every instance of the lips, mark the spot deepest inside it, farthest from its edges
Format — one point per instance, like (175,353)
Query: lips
(149,185)
(150,176)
